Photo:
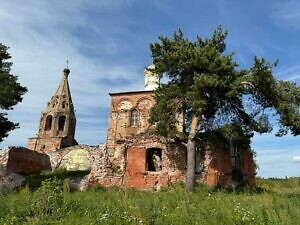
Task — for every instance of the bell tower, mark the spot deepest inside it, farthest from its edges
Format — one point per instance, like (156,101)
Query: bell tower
(151,79)
(58,121)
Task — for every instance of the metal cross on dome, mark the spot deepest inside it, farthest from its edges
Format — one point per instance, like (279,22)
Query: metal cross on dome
(67,61)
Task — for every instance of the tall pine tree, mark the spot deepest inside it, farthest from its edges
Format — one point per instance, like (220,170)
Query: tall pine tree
(206,85)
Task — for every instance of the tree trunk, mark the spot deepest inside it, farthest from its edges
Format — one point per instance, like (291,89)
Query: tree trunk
(191,155)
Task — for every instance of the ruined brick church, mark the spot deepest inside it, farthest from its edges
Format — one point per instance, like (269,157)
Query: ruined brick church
(132,156)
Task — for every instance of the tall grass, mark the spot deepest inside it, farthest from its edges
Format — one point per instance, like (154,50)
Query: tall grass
(273,202)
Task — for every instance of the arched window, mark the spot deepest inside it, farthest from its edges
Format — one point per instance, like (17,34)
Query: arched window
(134,118)
(48,124)
(61,123)
(63,104)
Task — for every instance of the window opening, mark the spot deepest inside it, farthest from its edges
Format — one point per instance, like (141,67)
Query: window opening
(234,155)
(61,123)
(134,117)
(48,122)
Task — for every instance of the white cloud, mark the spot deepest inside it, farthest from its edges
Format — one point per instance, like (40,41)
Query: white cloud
(296,158)
(290,73)
(288,10)
(40,37)
(274,155)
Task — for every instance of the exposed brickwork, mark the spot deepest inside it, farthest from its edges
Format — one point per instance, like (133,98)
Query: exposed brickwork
(218,168)
(16,162)
(127,147)
(23,161)
(119,126)
(50,144)
(248,167)
(216,164)
(136,160)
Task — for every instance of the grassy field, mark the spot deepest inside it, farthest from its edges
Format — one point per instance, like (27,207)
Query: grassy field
(273,202)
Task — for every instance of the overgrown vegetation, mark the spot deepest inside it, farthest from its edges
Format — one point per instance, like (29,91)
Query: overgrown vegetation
(274,201)
(34,181)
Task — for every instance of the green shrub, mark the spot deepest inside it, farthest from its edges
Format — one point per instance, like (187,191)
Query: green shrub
(34,181)
(48,198)
(98,188)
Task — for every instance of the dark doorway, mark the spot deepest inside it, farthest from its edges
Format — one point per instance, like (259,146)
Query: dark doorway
(154,159)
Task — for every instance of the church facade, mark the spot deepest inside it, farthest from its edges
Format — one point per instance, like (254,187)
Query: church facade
(133,156)
(147,161)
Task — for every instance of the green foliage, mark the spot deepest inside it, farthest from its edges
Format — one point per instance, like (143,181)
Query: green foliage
(222,136)
(288,107)
(66,188)
(165,110)
(274,201)
(99,188)
(205,81)
(47,199)
(115,169)
(34,181)
(10,92)
(218,100)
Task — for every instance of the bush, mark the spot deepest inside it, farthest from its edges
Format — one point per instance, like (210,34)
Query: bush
(48,198)
(34,181)
(99,188)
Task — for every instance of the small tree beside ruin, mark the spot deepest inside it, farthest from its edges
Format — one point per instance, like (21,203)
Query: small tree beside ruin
(10,92)
(214,95)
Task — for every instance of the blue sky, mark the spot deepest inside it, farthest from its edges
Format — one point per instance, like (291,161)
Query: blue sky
(107,44)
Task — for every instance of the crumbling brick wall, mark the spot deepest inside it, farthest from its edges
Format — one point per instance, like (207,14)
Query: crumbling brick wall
(137,174)
(248,167)
(217,167)
(50,144)
(127,148)
(24,161)
(99,167)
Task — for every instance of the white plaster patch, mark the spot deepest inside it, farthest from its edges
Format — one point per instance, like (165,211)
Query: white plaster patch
(76,160)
